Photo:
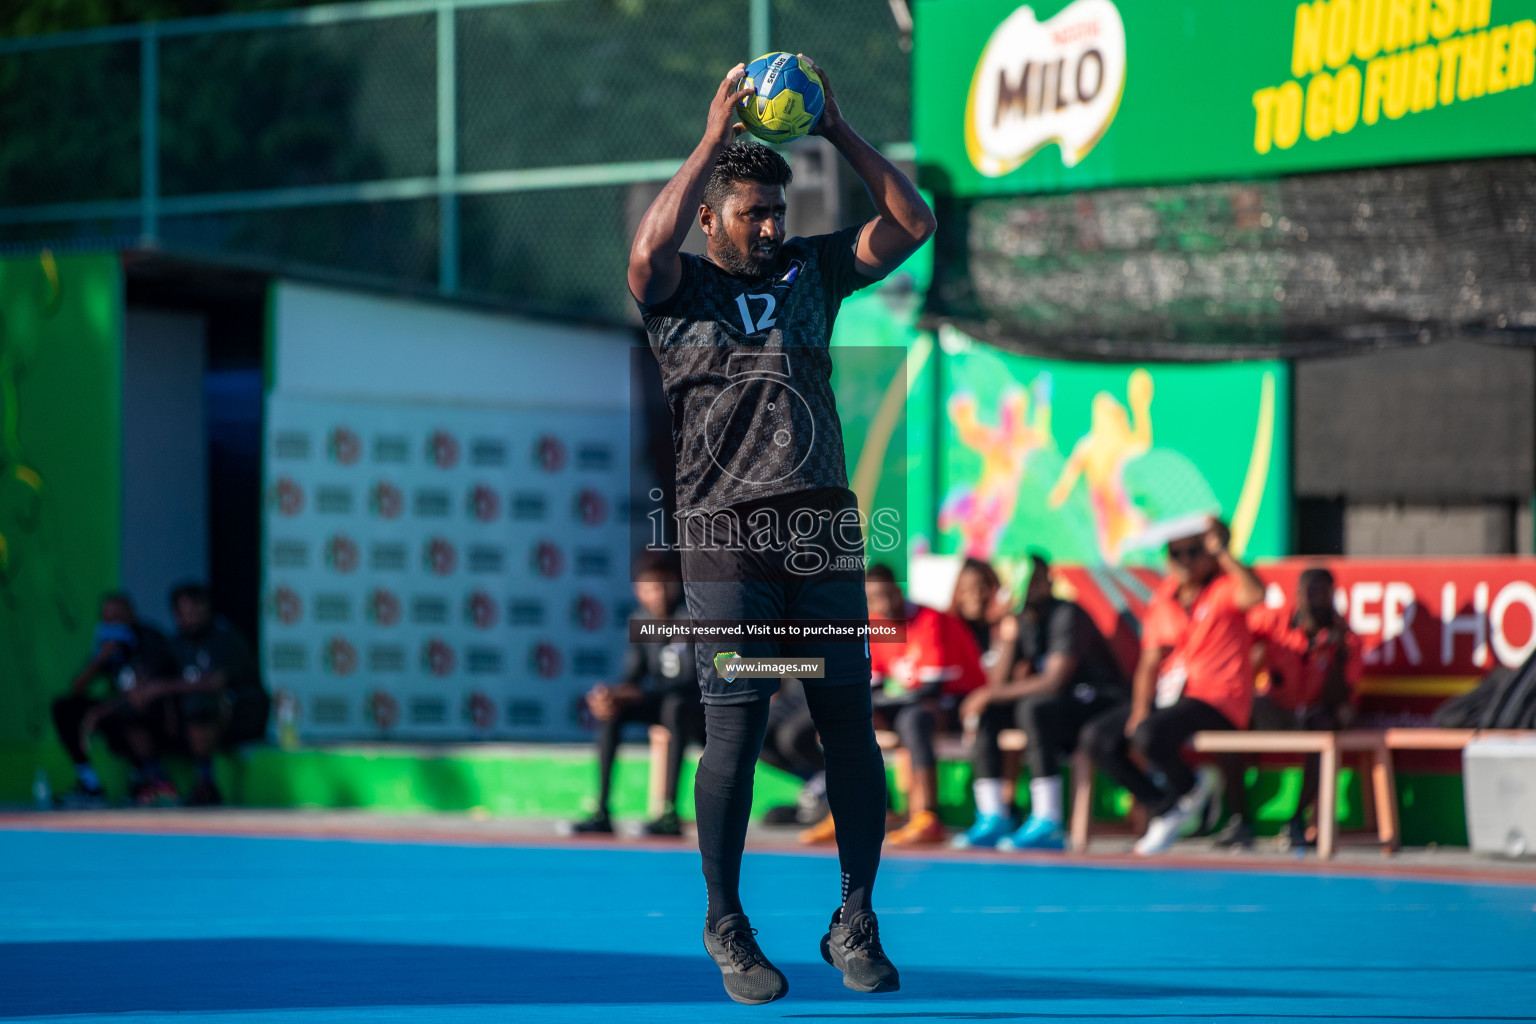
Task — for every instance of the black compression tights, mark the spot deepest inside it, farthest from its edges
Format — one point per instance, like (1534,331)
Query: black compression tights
(855,791)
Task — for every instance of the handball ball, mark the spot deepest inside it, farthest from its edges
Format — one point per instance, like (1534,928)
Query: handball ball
(788,100)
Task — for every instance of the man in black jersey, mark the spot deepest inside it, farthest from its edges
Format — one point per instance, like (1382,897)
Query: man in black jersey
(764,509)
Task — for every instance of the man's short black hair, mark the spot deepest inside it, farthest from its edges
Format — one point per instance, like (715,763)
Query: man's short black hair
(191,591)
(744,161)
(879,573)
(658,565)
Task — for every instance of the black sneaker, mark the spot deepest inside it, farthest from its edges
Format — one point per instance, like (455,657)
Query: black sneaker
(782,814)
(666,825)
(1293,837)
(855,950)
(598,824)
(82,799)
(748,976)
(1236,834)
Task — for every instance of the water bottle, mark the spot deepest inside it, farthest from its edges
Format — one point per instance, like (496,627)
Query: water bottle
(287,720)
(42,792)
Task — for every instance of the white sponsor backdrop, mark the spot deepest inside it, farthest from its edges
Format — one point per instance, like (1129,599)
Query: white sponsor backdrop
(435,571)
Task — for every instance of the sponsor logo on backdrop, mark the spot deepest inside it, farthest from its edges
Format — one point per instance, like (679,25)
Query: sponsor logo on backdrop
(343,446)
(338,656)
(383,710)
(288,657)
(1038,82)
(392,448)
(523,611)
(332,607)
(486,558)
(427,610)
(549,453)
(591,508)
(544,660)
(439,556)
(386,658)
(594,456)
(341,553)
(547,559)
(527,505)
(287,496)
(291,444)
(286,606)
(383,607)
(587,613)
(432,503)
(487,451)
(525,713)
(438,658)
(385,500)
(480,610)
(442,449)
(480,710)
(290,554)
(484,503)
(334,499)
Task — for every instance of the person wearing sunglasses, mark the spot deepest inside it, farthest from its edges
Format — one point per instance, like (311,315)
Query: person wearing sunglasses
(1195,674)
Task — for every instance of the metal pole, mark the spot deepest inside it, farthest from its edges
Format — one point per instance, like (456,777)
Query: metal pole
(447,152)
(759,31)
(149,135)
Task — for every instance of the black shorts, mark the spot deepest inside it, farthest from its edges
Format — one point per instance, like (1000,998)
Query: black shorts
(728,581)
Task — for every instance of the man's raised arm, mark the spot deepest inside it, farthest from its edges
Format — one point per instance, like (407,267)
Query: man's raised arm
(655,269)
(903,221)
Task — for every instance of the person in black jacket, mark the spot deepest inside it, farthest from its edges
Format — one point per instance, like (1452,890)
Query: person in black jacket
(659,686)
(131,657)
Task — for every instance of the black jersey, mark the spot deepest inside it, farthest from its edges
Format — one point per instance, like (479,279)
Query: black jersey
(748,374)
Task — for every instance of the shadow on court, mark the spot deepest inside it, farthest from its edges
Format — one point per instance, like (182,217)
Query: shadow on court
(269,974)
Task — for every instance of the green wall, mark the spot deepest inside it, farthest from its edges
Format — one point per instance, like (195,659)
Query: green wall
(61,344)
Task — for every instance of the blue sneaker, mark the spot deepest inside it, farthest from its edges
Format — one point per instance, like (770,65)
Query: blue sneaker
(1035,834)
(989,828)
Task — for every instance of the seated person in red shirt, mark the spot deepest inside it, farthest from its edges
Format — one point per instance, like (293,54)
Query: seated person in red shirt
(915,685)
(1313,663)
(1057,673)
(1194,674)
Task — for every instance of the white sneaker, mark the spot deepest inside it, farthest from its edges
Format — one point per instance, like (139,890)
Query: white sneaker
(1204,801)
(1163,831)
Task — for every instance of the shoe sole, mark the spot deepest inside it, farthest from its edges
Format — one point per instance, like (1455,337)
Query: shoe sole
(826,954)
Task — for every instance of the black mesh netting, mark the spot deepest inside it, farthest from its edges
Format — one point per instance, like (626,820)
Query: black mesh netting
(1282,268)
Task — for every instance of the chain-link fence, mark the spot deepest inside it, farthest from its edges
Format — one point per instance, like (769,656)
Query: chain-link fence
(492,149)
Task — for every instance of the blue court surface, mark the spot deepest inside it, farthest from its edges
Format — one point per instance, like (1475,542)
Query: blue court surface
(98,927)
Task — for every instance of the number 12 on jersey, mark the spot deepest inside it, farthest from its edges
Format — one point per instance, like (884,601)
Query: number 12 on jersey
(766,321)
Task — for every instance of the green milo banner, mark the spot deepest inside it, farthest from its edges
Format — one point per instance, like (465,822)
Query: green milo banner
(61,343)
(1084,461)
(1044,96)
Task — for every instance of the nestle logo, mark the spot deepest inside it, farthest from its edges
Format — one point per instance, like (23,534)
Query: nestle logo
(341,553)
(392,448)
(291,444)
(526,506)
(287,497)
(383,607)
(344,446)
(487,451)
(546,559)
(594,456)
(387,557)
(544,659)
(591,508)
(549,453)
(333,608)
(440,557)
(334,500)
(286,605)
(437,657)
(525,612)
(442,449)
(339,657)
(480,610)
(484,503)
(386,500)
(432,503)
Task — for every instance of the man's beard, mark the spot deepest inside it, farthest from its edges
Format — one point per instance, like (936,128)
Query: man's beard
(749,264)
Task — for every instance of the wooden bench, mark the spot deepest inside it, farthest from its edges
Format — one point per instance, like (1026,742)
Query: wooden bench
(1376,747)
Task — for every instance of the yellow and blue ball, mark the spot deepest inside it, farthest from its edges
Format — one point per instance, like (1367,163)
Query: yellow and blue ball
(788,101)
